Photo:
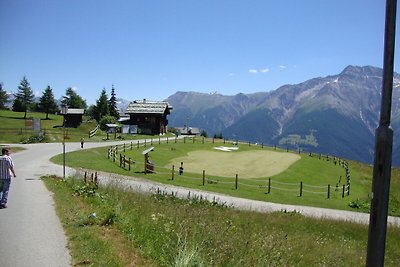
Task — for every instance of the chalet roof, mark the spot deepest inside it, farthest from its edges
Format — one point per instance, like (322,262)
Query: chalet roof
(112,125)
(148,107)
(75,111)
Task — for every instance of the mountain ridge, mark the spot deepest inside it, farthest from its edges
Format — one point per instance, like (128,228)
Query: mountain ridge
(339,112)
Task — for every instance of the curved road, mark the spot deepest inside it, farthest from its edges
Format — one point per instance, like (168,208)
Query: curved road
(31,233)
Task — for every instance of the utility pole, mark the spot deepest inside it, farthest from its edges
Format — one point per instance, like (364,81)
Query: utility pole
(383,150)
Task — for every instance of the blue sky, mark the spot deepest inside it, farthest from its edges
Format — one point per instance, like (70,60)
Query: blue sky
(152,49)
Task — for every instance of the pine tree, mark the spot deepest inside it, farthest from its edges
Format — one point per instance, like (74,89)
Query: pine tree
(112,104)
(47,103)
(73,100)
(101,108)
(3,97)
(24,97)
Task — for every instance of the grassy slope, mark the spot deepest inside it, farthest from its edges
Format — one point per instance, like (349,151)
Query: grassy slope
(169,232)
(310,170)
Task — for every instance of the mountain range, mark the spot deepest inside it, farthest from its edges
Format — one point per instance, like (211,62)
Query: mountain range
(335,115)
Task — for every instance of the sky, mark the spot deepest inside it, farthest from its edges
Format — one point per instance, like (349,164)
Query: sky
(150,49)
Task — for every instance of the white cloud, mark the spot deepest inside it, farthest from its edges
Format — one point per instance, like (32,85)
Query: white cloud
(264,70)
(282,67)
(231,74)
(253,71)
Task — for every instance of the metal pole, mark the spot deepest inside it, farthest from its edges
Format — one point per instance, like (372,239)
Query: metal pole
(383,150)
(64,151)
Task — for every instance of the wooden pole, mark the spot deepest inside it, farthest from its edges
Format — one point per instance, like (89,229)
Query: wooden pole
(236,183)
(301,188)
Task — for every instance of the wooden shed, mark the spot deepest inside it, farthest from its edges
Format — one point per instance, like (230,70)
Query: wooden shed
(73,118)
(150,117)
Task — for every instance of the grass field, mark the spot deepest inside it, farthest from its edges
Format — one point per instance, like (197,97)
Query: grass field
(250,164)
(220,170)
(13,128)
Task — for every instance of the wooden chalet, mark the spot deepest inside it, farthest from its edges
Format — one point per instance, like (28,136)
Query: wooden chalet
(148,117)
(73,118)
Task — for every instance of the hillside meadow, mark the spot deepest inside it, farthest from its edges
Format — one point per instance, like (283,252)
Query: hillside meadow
(107,226)
(13,129)
(311,174)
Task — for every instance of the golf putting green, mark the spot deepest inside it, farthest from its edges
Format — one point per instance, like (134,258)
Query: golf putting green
(247,164)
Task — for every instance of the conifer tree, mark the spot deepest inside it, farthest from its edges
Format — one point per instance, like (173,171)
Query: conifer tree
(24,97)
(101,108)
(47,103)
(73,100)
(3,97)
(112,104)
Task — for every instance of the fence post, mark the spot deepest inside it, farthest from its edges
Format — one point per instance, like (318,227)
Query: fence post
(249,143)
(84,177)
(301,188)
(213,140)
(175,139)
(131,145)
(159,140)
(114,156)
(203,140)
(348,189)
(343,192)
(108,154)
(138,144)
(173,172)
(269,185)
(145,142)
(96,183)
(124,147)
(167,139)
(129,163)
(151,141)
(236,183)
(329,190)
(204,177)
(193,139)
(224,141)
(120,160)
(262,145)
(184,139)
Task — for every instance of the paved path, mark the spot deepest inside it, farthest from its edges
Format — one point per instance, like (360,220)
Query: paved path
(31,233)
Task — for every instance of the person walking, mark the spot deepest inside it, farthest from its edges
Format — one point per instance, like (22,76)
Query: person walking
(6,172)
(82,142)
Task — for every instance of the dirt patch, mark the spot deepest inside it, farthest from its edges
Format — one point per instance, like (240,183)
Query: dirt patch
(247,164)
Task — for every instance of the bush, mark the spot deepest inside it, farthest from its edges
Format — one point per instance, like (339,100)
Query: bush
(34,139)
(107,120)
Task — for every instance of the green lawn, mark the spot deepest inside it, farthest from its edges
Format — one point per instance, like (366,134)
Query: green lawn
(315,173)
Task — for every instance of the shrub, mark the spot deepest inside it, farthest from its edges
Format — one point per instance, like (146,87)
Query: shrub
(107,120)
